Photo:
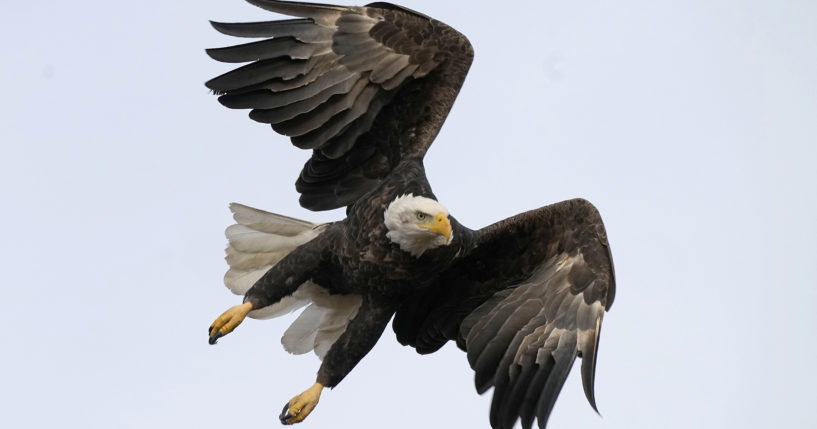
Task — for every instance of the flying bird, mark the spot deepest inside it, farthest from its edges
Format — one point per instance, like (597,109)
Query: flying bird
(366,89)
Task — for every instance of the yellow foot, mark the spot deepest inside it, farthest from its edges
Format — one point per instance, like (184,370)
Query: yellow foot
(296,410)
(228,321)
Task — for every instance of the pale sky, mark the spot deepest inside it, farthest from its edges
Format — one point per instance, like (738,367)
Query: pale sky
(692,126)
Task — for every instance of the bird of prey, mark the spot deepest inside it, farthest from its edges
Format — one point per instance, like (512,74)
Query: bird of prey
(366,89)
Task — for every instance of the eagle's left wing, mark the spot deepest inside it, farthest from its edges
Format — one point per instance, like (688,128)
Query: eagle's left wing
(523,303)
(364,88)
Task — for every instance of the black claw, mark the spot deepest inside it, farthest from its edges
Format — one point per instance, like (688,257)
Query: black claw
(214,338)
(285,415)
(210,331)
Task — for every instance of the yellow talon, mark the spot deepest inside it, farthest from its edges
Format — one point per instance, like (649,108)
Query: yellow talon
(296,410)
(228,321)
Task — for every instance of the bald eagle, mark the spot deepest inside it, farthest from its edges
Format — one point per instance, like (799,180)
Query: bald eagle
(366,89)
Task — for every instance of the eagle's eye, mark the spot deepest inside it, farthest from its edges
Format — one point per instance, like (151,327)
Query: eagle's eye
(421,216)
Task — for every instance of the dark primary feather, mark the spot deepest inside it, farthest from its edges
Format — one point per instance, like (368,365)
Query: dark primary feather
(289,47)
(523,302)
(302,29)
(363,87)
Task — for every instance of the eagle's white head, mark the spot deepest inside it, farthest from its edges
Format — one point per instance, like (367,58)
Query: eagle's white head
(417,224)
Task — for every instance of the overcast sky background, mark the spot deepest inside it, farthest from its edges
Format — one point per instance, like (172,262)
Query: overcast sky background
(692,126)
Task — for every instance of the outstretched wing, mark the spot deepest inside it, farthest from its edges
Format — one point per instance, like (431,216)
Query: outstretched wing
(523,303)
(363,87)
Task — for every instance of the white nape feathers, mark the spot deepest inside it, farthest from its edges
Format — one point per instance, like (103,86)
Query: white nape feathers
(412,223)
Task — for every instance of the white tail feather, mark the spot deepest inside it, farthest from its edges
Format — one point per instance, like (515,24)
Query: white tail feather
(257,242)
(245,239)
(272,223)
(240,281)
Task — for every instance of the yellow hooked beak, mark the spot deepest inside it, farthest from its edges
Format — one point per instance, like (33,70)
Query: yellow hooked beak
(440,225)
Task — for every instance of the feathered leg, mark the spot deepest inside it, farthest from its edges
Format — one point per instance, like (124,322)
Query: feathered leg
(356,341)
(282,280)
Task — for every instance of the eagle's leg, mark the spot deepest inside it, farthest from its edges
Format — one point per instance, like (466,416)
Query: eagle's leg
(360,336)
(300,406)
(356,341)
(228,321)
(281,280)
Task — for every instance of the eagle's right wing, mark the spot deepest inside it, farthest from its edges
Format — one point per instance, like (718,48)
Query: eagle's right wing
(363,87)
(524,302)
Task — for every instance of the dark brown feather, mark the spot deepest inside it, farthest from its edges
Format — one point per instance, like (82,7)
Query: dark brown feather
(266,49)
(301,29)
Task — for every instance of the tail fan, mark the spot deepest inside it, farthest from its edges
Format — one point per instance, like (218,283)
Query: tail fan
(257,242)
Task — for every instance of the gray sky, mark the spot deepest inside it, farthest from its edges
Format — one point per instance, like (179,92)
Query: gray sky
(691,125)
